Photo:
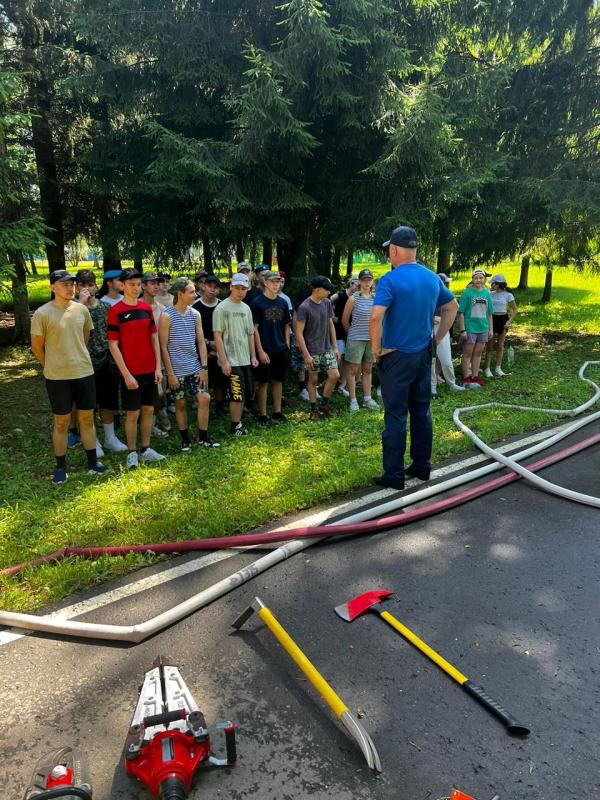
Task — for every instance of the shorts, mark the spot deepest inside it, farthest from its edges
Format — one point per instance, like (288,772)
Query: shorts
(498,322)
(107,380)
(239,386)
(63,394)
(297,359)
(324,362)
(359,351)
(275,371)
(188,385)
(476,338)
(341,346)
(145,395)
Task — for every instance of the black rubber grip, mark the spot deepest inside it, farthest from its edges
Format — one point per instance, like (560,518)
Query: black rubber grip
(166,718)
(230,745)
(63,791)
(172,789)
(511,724)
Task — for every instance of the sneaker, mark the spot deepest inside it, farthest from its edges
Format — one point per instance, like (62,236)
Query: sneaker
(278,418)
(378,392)
(263,421)
(185,447)
(73,439)
(456,387)
(239,430)
(314,415)
(151,456)
(319,396)
(97,469)
(472,385)
(115,445)
(478,381)
(370,403)
(303,395)
(326,411)
(416,472)
(160,434)
(389,483)
(354,405)
(434,395)
(163,420)
(99,450)
(499,372)
(467,380)
(59,477)
(208,442)
(488,372)
(132,460)
(343,391)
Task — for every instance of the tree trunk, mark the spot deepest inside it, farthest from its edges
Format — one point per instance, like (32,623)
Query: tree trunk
(443,258)
(239,249)
(291,255)
(335,266)
(96,262)
(33,265)
(524,277)
(20,300)
(138,263)
(349,263)
(267,251)
(208,255)
(110,254)
(547,295)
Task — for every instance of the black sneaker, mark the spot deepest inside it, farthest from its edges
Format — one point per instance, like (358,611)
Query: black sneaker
(239,430)
(415,472)
(263,421)
(208,442)
(185,447)
(278,418)
(389,483)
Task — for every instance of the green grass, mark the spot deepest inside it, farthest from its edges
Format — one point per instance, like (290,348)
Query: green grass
(272,472)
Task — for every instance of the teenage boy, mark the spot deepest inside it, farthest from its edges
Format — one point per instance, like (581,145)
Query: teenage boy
(316,338)
(181,339)
(106,375)
(199,282)
(272,320)
(233,330)
(112,288)
(150,291)
(164,296)
(205,306)
(287,299)
(60,331)
(133,343)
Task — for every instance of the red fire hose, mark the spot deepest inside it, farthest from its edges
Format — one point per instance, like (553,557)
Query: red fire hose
(247,540)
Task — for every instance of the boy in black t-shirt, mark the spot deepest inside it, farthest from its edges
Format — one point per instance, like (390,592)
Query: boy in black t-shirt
(272,320)
(205,306)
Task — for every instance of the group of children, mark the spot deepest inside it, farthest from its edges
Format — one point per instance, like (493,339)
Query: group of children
(143,346)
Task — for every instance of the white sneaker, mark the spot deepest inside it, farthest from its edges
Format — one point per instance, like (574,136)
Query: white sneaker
(368,402)
(488,373)
(354,405)
(455,387)
(99,450)
(499,372)
(378,392)
(303,395)
(151,455)
(472,385)
(343,391)
(160,434)
(132,460)
(319,396)
(115,445)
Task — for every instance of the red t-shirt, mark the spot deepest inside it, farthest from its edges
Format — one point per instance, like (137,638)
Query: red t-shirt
(132,327)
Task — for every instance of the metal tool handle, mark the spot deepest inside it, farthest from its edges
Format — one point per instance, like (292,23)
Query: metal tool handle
(63,791)
(230,744)
(166,718)
(506,718)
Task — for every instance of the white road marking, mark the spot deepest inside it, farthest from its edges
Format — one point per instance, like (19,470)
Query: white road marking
(158,578)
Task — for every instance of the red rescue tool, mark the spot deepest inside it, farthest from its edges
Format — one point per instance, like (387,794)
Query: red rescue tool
(168,740)
(60,775)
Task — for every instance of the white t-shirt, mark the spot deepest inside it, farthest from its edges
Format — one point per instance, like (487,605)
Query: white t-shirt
(500,301)
(109,301)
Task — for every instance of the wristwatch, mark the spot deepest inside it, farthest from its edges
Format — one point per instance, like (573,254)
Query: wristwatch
(203,368)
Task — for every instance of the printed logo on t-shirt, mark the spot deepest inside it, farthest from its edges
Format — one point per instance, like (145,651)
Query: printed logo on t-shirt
(479,307)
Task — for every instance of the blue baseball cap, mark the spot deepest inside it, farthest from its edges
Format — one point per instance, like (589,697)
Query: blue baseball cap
(110,274)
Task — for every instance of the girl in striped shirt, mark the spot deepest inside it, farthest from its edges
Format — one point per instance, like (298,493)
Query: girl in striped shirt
(358,345)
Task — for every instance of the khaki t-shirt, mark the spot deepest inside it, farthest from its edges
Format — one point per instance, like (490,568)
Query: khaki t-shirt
(64,331)
(234,322)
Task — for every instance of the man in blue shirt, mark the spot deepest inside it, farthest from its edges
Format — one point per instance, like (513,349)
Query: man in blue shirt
(401,327)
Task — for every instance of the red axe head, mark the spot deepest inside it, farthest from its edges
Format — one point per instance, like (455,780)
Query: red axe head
(358,605)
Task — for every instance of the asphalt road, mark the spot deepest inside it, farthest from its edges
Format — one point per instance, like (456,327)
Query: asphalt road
(505,587)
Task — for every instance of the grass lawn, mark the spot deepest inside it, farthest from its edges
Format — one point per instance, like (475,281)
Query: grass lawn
(275,471)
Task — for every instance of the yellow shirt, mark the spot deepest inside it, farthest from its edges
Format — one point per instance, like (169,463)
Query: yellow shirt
(64,331)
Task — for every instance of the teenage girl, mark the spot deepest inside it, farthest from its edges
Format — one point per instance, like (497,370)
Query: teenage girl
(358,345)
(505,310)
(475,325)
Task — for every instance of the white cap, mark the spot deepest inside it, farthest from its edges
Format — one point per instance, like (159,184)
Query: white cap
(239,279)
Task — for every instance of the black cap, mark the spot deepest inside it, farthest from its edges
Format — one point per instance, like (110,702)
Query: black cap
(365,273)
(164,276)
(322,282)
(149,276)
(402,236)
(128,274)
(212,279)
(261,268)
(62,275)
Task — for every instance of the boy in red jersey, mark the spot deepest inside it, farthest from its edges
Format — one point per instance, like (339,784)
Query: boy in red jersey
(133,343)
